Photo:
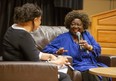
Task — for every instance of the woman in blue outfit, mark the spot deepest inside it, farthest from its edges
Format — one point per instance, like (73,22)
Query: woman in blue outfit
(79,44)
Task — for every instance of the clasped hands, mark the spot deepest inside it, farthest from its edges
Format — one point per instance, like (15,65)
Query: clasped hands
(60,60)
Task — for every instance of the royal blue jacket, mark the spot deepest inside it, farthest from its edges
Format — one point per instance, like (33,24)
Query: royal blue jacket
(82,59)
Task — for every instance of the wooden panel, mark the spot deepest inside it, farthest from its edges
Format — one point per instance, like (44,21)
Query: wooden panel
(107,36)
(111,20)
(104,27)
(109,51)
(106,45)
(104,31)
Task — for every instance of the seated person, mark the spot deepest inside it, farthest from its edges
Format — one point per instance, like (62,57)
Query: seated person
(19,44)
(79,44)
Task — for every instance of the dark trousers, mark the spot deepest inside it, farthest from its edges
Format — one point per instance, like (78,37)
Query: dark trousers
(86,76)
(64,77)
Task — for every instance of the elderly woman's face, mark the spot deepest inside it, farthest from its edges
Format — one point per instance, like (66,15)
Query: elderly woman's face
(76,26)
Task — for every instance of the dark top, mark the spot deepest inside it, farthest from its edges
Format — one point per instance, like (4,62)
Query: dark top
(19,46)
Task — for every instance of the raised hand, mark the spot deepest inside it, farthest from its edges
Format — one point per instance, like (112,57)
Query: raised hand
(61,51)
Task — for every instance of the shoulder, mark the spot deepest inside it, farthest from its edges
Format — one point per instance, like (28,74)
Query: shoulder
(86,32)
(25,35)
(20,33)
(64,34)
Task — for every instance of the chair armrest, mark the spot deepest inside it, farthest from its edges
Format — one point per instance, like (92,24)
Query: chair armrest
(109,60)
(28,71)
(77,76)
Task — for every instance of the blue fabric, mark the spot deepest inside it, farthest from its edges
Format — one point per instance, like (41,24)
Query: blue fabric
(82,59)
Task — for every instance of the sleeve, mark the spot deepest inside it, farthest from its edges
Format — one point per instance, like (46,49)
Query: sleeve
(96,46)
(53,46)
(28,48)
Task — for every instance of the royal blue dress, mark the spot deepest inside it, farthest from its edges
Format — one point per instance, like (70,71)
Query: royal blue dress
(82,59)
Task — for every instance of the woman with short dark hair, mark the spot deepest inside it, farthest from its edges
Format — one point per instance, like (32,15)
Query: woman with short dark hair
(19,44)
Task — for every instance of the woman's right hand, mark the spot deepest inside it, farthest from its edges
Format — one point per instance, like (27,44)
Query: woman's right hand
(61,51)
(61,60)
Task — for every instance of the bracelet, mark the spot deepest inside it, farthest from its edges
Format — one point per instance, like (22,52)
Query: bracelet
(90,47)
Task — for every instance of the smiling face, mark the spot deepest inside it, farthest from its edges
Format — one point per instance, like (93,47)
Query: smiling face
(76,26)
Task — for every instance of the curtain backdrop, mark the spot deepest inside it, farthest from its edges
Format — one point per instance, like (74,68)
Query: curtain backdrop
(54,12)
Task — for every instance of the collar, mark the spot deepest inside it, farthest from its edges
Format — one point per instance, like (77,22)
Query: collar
(15,26)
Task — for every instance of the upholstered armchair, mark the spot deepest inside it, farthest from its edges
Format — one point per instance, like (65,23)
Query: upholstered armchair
(42,71)
(36,71)
(28,71)
(47,33)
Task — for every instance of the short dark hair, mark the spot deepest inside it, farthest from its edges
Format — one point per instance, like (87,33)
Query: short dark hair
(26,13)
(76,14)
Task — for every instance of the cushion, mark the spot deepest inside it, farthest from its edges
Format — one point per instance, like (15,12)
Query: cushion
(44,34)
